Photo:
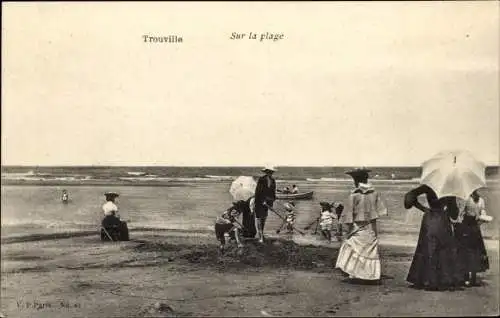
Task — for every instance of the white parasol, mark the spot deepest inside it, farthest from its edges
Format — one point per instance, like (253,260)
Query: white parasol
(243,188)
(453,173)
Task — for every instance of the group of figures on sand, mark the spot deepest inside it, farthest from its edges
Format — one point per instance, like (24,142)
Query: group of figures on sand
(254,211)
(450,248)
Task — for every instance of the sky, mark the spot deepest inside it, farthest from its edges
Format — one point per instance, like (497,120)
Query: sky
(351,83)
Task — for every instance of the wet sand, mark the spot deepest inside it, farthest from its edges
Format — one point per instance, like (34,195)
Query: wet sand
(167,273)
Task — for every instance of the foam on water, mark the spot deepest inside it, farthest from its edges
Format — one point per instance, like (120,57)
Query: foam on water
(164,175)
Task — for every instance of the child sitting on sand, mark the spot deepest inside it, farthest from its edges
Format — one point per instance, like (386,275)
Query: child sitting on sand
(290,216)
(226,224)
(326,220)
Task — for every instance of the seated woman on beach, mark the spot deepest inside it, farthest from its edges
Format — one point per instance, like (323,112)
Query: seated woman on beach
(358,256)
(435,262)
(471,249)
(112,225)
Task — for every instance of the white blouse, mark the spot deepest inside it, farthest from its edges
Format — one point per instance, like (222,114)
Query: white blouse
(109,208)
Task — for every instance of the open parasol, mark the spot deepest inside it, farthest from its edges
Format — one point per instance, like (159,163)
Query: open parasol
(453,173)
(243,188)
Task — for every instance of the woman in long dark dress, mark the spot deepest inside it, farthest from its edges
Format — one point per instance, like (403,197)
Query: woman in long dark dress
(435,262)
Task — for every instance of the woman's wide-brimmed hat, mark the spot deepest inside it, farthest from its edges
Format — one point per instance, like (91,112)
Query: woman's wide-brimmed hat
(358,172)
(111,194)
(268,168)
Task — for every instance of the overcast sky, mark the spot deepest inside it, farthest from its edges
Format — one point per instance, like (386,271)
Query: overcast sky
(350,84)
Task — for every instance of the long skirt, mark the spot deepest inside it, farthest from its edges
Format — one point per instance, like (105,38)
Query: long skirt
(471,250)
(435,262)
(114,227)
(359,256)
(248,222)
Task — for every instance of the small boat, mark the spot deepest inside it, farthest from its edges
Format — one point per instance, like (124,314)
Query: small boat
(296,196)
(136,173)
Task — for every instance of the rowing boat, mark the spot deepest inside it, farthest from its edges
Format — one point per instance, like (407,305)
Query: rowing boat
(296,196)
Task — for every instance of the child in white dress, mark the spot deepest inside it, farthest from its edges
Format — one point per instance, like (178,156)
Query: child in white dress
(326,220)
(290,216)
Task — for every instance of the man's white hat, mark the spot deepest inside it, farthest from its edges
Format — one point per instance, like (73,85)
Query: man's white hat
(268,167)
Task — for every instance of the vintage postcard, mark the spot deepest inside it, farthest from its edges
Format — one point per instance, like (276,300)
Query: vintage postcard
(250,159)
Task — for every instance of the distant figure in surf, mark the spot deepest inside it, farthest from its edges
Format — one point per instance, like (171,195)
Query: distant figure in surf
(65,196)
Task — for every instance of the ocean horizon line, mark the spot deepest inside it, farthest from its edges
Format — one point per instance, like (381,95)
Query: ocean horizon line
(216,166)
(210,166)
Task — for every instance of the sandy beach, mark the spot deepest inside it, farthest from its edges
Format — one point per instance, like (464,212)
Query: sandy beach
(167,273)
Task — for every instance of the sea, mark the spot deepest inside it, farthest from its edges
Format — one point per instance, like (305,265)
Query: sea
(190,198)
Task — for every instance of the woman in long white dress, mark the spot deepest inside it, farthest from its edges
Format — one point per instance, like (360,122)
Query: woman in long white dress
(358,256)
